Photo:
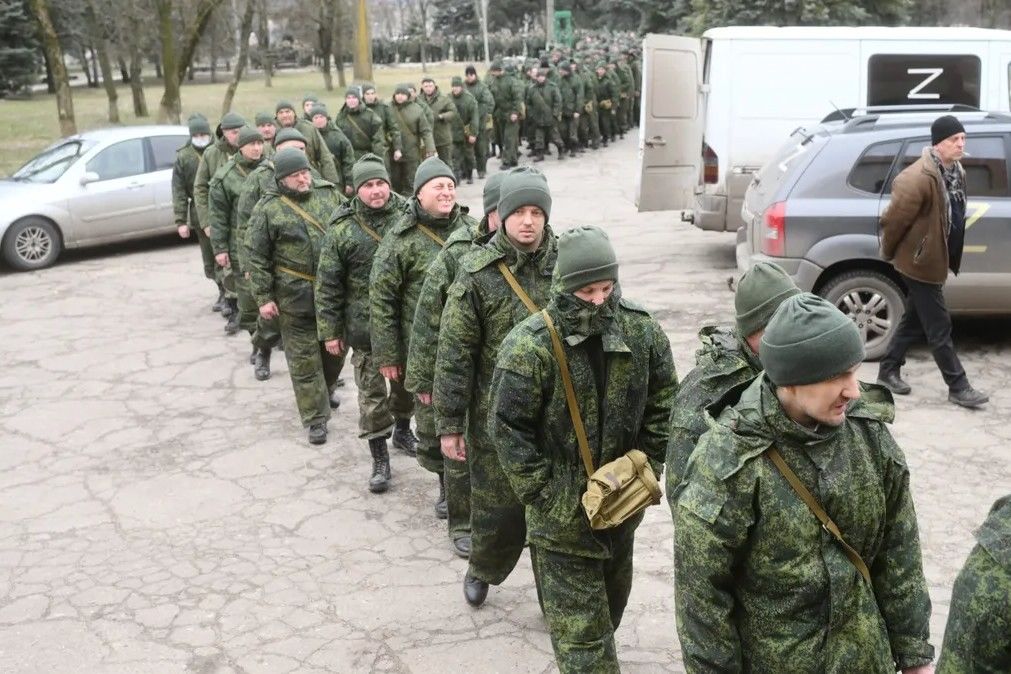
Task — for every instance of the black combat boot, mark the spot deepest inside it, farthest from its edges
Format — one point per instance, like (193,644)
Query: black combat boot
(470,177)
(261,367)
(573,152)
(481,175)
(441,509)
(539,157)
(404,438)
(219,304)
(380,480)
(461,546)
(893,382)
(252,356)
(232,326)
(475,590)
(968,397)
(335,402)
(317,433)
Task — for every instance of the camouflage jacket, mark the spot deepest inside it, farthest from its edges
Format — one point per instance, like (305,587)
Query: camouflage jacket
(317,151)
(280,239)
(184,172)
(342,150)
(722,363)
(415,130)
(626,81)
(398,272)
(978,635)
(485,100)
(590,90)
(342,277)
(428,316)
(544,104)
(533,434)
(391,131)
(444,111)
(571,88)
(605,90)
(363,128)
(223,208)
(509,96)
(467,120)
(481,309)
(259,182)
(213,158)
(760,585)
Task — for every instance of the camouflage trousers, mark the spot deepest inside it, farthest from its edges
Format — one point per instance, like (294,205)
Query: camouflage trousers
(481,150)
(454,473)
(445,153)
(313,371)
(402,175)
(624,113)
(568,129)
(544,135)
(463,154)
(608,128)
(589,129)
(510,139)
(206,254)
(583,600)
(378,406)
(497,518)
(263,333)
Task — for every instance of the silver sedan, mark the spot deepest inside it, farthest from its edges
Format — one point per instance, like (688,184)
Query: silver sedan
(97,187)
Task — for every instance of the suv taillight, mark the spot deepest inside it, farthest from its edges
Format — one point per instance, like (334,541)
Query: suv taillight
(774,230)
(710,165)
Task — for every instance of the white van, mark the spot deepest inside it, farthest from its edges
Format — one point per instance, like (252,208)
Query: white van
(715,109)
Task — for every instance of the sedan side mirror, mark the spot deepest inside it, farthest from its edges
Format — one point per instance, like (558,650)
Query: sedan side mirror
(89,177)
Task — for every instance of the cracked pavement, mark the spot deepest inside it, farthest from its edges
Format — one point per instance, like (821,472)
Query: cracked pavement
(161,510)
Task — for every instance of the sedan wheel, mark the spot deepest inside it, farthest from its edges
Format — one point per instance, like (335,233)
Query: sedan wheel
(32,243)
(873,302)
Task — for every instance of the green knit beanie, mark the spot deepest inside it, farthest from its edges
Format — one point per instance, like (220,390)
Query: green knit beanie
(492,190)
(808,341)
(524,187)
(457,81)
(290,133)
(759,293)
(309,97)
(288,161)
(430,169)
(367,87)
(232,120)
(283,105)
(198,124)
(318,109)
(402,88)
(585,256)
(264,118)
(247,135)
(368,167)
(353,90)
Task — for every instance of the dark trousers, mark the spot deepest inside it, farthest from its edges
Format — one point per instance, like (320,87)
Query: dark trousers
(926,315)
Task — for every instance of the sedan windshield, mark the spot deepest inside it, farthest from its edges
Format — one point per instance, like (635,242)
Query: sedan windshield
(53,162)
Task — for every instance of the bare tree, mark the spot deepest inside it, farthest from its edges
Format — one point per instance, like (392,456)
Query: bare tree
(175,63)
(363,44)
(263,44)
(326,25)
(481,9)
(54,56)
(134,36)
(245,28)
(423,7)
(99,38)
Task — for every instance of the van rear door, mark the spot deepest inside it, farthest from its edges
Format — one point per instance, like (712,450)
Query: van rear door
(673,119)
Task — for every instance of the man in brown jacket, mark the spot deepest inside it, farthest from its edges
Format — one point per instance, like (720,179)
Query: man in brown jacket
(922,235)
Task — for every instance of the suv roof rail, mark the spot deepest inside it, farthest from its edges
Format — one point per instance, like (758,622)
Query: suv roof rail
(849,114)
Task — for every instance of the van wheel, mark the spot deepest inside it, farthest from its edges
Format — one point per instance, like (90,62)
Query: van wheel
(31,243)
(874,302)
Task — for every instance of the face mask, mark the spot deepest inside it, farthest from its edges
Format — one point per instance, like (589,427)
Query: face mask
(200,141)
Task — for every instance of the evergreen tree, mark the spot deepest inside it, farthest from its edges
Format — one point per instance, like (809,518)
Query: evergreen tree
(19,47)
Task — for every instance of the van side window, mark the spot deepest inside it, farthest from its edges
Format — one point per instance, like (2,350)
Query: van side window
(923,79)
(871,170)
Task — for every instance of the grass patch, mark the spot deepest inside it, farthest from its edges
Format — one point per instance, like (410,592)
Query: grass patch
(27,126)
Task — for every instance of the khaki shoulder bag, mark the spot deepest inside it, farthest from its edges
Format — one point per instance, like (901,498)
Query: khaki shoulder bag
(617,490)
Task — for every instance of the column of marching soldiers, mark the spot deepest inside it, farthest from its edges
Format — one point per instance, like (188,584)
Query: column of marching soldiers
(347,239)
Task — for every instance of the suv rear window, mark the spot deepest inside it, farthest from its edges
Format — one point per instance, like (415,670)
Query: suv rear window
(985,164)
(871,170)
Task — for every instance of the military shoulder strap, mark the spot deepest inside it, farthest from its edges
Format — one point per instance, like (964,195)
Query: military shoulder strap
(431,235)
(243,171)
(403,123)
(517,288)
(812,503)
(355,124)
(368,230)
(570,395)
(305,214)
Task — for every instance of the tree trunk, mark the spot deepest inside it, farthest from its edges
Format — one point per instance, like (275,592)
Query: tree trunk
(215,39)
(54,54)
(481,7)
(94,66)
(324,34)
(423,10)
(549,24)
(363,45)
(98,35)
(168,108)
(50,80)
(82,56)
(191,37)
(137,83)
(263,44)
(337,47)
(123,72)
(240,64)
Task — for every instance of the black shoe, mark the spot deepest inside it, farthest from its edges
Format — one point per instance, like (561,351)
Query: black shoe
(232,326)
(572,153)
(561,155)
(461,546)
(481,175)
(219,304)
(893,382)
(968,397)
(261,367)
(404,438)
(317,434)
(441,510)
(470,180)
(335,402)
(603,143)
(539,157)
(252,356)
(380,479)
(227,310)
(475,590)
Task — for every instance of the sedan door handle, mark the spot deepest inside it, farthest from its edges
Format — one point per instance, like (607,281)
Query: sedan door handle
(655,141)
(134,186)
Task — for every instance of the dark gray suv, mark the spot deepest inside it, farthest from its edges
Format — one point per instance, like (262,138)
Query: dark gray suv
(814,208)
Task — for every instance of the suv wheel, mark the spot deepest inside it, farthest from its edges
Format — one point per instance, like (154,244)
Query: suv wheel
(874,302)
(31,243)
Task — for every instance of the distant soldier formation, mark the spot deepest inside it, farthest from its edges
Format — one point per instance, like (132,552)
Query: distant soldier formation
(546,403)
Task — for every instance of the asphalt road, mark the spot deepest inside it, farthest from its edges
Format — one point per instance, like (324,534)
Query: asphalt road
(161,511)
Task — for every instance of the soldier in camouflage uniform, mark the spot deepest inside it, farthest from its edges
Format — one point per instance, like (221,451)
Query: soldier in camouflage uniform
(267,126)
(760,584)
(465,128)
(624,381)
(978,636)
(416,138)
(391,131)
(424,344)
(589,127)
(481,309)
(226,235)
(363,127)
(607,98)
(626,90)
(283,244)
(485,109)
(544,109)
(342,310)
(571,89)
(443,112)
(184,172)
(309,101)
(727,359)
(338,144)
(315,149)
(398,273)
